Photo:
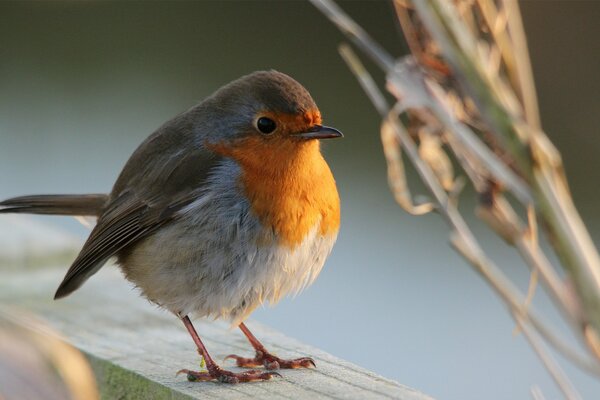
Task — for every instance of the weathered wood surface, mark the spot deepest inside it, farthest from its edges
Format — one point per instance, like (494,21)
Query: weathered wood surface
(135,348)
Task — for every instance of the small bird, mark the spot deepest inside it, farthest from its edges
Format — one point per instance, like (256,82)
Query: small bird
(226,206)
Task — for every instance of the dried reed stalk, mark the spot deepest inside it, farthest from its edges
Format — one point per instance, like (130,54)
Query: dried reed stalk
(467,93)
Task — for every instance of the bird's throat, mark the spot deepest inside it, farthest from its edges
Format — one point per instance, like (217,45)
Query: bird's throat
(289,186)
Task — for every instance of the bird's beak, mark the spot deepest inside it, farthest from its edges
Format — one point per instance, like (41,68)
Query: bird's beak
(319,132)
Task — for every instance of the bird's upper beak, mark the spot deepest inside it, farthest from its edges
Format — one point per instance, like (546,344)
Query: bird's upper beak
(319,132)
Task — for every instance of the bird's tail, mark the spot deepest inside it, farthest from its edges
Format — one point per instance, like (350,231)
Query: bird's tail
(56,204)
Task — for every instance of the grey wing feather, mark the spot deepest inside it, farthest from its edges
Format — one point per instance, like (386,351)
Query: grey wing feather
(146,196)
(119,227)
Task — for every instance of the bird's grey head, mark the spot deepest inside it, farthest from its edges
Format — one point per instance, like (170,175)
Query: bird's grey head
(264,103)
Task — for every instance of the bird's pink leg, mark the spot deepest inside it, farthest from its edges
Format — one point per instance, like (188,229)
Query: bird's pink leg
(266,359)
(214,372)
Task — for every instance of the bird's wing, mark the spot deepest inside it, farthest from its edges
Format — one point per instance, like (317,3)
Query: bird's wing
(147,201)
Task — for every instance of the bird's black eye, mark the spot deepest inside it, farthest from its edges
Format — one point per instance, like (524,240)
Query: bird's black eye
(265,125)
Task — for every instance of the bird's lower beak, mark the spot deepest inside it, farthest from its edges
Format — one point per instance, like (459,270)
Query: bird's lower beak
(320,132)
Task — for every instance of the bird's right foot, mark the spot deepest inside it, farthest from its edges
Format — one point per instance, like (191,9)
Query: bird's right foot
(221,375)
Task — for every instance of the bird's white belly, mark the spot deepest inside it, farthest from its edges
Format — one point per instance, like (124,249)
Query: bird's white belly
(218,260)
(265,273)
(223,270)
(221,280)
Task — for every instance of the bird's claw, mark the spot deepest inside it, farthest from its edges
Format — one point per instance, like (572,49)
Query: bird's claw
(272,362)
(228,376)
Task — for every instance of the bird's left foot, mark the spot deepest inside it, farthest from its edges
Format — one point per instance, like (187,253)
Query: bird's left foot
(221,375)
(270,361)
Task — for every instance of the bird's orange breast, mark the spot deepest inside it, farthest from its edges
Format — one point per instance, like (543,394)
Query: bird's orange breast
(289,186)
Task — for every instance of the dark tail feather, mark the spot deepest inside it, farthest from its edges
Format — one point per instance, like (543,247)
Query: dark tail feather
(57,204)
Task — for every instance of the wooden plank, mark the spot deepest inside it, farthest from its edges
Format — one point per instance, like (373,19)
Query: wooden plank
(136,348)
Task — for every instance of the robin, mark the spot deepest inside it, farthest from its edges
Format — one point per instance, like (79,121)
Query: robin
(226,206)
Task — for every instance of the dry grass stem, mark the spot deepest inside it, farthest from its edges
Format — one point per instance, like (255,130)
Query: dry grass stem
(559,376)
(474,254)
(537,393)
(468,90)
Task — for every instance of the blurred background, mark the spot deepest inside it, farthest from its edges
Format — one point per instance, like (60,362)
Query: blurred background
(83,83)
